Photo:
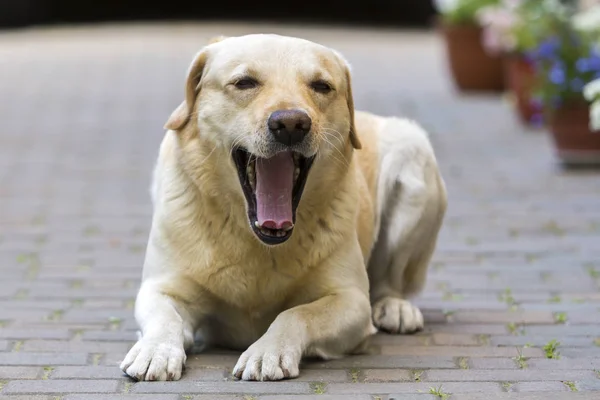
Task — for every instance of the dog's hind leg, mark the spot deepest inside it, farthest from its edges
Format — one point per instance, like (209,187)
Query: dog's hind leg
(412,204)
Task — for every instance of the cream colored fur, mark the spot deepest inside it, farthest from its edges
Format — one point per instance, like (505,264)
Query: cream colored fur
(365,231)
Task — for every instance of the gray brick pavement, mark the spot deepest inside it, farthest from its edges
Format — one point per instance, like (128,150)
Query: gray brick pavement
(518,263)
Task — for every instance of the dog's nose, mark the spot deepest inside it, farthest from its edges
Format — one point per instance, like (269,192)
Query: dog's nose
(289,126)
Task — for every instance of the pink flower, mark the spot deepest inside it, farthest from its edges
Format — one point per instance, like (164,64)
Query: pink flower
(497,22)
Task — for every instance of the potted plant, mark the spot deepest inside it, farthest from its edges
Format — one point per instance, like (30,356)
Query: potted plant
(512,28)
(472,68)
(566,61)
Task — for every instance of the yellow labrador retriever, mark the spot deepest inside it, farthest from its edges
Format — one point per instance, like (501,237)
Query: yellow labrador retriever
(272,232)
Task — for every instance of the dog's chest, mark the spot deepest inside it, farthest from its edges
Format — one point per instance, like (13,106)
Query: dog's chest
(252,284)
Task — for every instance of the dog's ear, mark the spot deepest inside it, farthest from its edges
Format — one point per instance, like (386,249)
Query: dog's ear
(182,114)
(350,100)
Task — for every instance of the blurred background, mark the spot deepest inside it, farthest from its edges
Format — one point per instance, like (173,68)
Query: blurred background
(394,13)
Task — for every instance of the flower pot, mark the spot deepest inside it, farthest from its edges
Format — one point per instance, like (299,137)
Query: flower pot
(574,141)
(472,68)
(519,75)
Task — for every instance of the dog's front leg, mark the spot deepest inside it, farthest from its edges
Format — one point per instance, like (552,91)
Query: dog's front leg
(167,330)
(330,326)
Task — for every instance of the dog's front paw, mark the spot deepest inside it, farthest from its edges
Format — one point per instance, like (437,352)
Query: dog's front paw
(267,360)
(153,360)
(396,315)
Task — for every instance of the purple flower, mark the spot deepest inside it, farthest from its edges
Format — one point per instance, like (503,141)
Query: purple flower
(537,120)
(591,63)
(583,65)
(594,62)
(547,49)
(557,74)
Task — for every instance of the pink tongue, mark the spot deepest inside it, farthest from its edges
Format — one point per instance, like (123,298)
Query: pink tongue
(274,184)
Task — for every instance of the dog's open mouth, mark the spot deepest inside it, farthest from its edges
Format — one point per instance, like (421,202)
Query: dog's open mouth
(273,188)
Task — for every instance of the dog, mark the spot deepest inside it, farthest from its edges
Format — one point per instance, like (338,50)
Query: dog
(285,224)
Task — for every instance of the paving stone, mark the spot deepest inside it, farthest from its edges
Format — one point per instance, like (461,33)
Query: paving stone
(527,396)
(387,388)
(540,341)
(124,397)
(404,340)
(24,334)
(25,397)
(315,375)
(564,363)
(576,352)
(61,386)
(460,351)
(315,397)
(29,315)
(212,360)
(36,305)
(449,339)
(388,375)
(126,336)
(526,317)
(411,396)
(222,387)
(385,361)
(496,375)
(43,359)
(495,363)
(19,372)
(88,372)
(223,397)
(539,386)
(75,347)
(474,329)
(564,330)
(588,384)
(206,374)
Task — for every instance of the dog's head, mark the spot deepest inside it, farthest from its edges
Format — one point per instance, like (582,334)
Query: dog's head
(274,103)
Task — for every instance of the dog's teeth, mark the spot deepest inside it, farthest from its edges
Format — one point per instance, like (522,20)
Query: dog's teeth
(288,228)
(251,175)
(280,233)
(296,173)
(257,224)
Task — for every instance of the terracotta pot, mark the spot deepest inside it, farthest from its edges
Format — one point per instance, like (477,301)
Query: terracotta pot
(471,67)
(574,141)
(520,78)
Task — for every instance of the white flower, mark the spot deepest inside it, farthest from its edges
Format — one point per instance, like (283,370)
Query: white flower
(595,116)
(445,6)
(592,90)
(587,20)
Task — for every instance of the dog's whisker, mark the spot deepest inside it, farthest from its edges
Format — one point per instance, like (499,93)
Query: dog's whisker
(341,161)
(330,135)
(333,133)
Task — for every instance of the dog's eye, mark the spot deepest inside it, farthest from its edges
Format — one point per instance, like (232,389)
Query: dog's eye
(321,87)
(246,83)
